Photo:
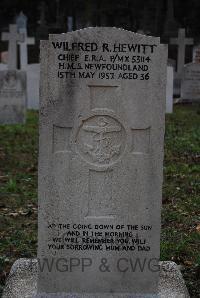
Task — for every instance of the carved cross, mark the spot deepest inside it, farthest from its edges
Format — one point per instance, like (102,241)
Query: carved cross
(100,141)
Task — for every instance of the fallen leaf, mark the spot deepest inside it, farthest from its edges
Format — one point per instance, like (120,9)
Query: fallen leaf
(3,178)
(188,263)
(14,214)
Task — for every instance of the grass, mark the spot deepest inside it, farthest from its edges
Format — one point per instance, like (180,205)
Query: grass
(181,201)
(18,192)
(181,194)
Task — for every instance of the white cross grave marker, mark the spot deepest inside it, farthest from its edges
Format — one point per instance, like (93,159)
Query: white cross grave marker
(12,37)
(22,28)
(24,48)
(181,41)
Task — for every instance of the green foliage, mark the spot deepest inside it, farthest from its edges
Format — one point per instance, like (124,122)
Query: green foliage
(181,193)
(18,192)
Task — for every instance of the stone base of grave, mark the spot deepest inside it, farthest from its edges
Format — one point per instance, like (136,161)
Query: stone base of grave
(22,283)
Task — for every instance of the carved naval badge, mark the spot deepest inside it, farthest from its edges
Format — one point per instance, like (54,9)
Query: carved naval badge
(101,139)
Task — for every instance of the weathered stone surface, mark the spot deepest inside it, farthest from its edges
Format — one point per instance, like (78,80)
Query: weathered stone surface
(190,85)
(22,283)
(102,113)
(169,89)
(22,280)
(12,96)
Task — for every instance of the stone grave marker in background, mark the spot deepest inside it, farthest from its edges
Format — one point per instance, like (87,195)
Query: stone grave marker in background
(21,22)
(12,37)
(190,84)
(33,77)
(169,89)
(12,97)
(181,42)
(32,70)
(12,83)
(171,62)
(196,54)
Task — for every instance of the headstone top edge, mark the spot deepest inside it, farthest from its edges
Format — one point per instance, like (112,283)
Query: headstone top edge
(12,25)
(102,29)
(190,64)
(16,71)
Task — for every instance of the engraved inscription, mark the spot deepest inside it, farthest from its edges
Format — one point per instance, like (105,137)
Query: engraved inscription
(101,140)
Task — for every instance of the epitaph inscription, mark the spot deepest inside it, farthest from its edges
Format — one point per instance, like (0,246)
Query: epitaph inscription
(101,152)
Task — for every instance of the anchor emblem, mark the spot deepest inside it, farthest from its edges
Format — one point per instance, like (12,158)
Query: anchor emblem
(102,150)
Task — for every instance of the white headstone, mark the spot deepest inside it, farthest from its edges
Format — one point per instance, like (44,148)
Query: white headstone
(3,66)
(196,54)
(12,37)
(22,28)
(169,89)
(12,96)
(33,77)
(171,62)
(102,111)
(181,41)
(190,85)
